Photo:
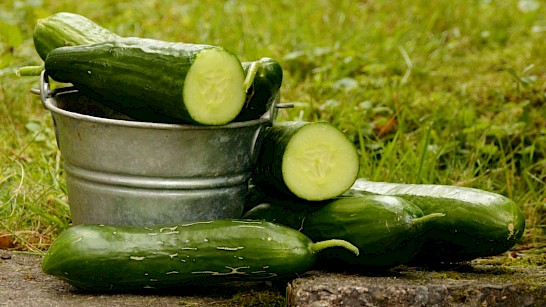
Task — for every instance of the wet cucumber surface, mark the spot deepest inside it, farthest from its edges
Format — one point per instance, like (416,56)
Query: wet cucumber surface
(99,257)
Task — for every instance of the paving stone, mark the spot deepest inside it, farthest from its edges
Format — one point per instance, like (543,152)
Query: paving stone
(465,285)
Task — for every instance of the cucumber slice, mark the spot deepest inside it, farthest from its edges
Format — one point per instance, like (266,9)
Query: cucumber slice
(213,87)
(311,160)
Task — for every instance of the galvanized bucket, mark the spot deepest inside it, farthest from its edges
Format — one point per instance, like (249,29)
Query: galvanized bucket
(124,172)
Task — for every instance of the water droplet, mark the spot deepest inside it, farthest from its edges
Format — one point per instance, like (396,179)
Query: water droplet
(138,258)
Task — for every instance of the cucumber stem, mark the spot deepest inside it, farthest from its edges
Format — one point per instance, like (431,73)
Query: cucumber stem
(318,246)
(29,71)
(249,79)
(427,218)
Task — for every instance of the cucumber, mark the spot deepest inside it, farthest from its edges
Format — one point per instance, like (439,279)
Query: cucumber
(266,75)
(292,216)
(310,160)
(477,223)
(100,258)
(388,230)
(67,29)
(188,83)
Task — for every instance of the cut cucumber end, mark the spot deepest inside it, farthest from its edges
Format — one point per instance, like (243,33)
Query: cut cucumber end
(213,89)
(319,162)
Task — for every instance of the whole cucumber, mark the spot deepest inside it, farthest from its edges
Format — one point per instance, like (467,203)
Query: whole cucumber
(388,230)
(98,258)
(67,29)
(477,223)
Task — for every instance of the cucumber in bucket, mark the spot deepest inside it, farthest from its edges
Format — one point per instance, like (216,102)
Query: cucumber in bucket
(188,83)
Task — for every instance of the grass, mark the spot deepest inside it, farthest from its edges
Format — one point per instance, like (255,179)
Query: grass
(443,92)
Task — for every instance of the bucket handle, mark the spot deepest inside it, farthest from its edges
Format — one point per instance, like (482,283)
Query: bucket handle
(271,115)
(45,90)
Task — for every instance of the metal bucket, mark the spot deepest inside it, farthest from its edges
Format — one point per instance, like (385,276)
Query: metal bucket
(123,172)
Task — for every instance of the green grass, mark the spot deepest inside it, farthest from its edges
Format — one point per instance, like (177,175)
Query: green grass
(444,92)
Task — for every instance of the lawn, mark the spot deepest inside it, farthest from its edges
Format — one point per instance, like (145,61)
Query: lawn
(442,92)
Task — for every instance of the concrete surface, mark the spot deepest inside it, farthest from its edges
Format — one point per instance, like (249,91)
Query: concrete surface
(22,283)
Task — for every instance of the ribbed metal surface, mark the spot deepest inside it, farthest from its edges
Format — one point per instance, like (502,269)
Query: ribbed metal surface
(126,172)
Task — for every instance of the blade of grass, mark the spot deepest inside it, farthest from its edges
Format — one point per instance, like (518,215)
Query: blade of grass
(422,157)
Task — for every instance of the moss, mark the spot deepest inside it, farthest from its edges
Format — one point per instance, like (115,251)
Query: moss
(530,260)
(462,296)
(447,275)
(533,257)
(254,298)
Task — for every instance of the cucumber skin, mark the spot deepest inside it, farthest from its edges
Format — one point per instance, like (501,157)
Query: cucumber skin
(380,226)
(477,223)
(99,258)
(265,87)
(67,29)
(139,77)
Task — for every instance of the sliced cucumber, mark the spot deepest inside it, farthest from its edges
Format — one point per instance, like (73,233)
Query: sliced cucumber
(311,160)
(153,80)
(211,84)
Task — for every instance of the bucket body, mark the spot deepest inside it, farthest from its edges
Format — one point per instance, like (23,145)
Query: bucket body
(123,172)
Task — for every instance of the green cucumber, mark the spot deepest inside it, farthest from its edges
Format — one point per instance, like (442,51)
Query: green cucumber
(388,230)
(188,83)
(99,258)
(67,29)
(310,160)
(291,216)
(477,223)
(266,75)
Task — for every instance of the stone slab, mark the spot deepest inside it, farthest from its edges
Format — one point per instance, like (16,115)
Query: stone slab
(22,283)
(465,285)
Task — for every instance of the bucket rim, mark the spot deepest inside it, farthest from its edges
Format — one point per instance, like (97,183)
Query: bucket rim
(50,104)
